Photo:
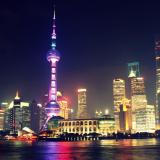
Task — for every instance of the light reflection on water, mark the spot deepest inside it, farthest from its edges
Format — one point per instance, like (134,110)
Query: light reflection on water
(142,149)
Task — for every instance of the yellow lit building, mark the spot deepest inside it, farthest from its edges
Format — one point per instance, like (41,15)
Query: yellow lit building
(137,86)
(82,104)
(138,98)
(145,119)
(157,58)
(125,116)
(64,108)
(102,126)
(138,101)
(1,119)
(118,95)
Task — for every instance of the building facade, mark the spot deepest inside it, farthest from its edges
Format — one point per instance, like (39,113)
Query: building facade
(64,106)
(19,115)
(157,53)
(119,94)
(2,114)
(137,86)
(145,119)
(138,98)
(82,104)
(35,116)
(102,126)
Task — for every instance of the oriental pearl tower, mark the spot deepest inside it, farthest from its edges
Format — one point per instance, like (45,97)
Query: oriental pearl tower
(52,108)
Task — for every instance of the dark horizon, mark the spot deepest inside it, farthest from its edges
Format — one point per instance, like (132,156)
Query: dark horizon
(96,41)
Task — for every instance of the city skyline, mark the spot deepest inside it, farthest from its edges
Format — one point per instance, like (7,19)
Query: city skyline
(89,52)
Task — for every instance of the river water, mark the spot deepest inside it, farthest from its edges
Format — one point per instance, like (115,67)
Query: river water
(141,149)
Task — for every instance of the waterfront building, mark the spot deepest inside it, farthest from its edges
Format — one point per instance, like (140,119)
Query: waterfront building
(52,108)
(2,113)
(118,95)
(63,103)
(35,116)
(82,104)
(157,52)
(5,107)
(19,114)
(125,116)
(104,126)
(138,98)
(43,116)
(145,119)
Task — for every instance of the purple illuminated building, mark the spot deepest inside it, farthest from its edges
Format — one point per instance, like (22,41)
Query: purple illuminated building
(53,56)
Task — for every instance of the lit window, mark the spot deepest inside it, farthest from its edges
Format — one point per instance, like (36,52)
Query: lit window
(53,83)
(53,77)
(53,70)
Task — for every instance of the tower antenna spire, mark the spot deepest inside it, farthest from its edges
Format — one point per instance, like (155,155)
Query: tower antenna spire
(54,30)
(54,15)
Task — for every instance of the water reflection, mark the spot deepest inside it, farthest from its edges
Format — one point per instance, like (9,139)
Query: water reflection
(142,149)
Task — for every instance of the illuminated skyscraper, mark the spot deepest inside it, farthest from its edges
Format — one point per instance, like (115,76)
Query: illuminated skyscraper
(137,86)
(4,106)
(138,98)
(63,103)
(19,115)
(145,119)
(53,56)
(82,104)
(118,96)
(125,123)
(119,92)
(157,52)
(1,118)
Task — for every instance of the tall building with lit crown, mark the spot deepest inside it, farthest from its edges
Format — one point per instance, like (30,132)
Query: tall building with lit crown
(143,115)
(138,98)
(82,104)
(53,56)
(118,95)
(19,114)
(157,52)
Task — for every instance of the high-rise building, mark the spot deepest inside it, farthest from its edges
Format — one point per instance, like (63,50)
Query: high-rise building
(35,116)
(19,114)
(53,56)
(145,119)
(82,104)
(137,86)
(119,92)
(157,111)
(63,103)
(118,96)
(125,116)
(138,101)
(5,107)
(138,98)
(2,111)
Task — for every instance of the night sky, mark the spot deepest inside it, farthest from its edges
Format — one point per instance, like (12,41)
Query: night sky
(96,39)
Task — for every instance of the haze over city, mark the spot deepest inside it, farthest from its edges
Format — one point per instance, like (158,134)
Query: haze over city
(96,41)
